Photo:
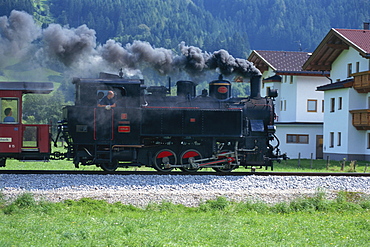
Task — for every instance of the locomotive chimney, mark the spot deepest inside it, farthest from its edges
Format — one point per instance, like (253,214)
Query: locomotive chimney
(255,86)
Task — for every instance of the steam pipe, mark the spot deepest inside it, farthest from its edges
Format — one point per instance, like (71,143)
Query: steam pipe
(255,85)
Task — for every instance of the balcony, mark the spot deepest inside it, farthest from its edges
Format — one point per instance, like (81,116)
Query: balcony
(362,81)
(361,119)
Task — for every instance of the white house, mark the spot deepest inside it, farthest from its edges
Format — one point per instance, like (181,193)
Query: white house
(346,53)
(299,107)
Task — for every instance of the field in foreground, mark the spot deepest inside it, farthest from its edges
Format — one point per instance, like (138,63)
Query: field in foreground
(312,221)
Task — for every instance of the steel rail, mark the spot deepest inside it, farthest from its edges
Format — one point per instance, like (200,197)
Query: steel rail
(266,173)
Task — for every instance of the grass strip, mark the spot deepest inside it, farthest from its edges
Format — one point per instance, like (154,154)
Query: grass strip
(310,221)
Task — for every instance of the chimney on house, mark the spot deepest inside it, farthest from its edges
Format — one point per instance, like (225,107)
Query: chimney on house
(366,25)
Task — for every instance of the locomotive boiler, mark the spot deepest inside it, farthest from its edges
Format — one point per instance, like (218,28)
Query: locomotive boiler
(149,127)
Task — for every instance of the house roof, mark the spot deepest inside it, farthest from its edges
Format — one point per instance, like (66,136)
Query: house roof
(336,85)
(278,60)
(275,78)
(334,43)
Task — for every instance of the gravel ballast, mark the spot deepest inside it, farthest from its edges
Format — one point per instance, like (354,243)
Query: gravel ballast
(140,190)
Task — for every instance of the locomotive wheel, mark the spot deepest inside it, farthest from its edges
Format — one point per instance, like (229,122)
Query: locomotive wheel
(187,156)
(163,160)
(228,168)
(109,167)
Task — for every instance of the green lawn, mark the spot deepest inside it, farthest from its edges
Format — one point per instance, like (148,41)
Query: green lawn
(305,222)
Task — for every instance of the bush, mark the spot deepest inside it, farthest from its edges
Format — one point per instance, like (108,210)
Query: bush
(221,203)
(166,206)
(23,201)
(2,200)
(249,206)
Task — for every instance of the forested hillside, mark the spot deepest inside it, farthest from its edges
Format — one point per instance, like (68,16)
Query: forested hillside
(289,24)
(235,25)
(92,35)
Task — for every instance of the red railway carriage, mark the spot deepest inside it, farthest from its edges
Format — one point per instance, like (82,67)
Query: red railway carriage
(17,140)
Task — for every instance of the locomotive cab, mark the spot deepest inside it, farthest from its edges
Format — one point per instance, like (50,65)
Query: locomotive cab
(17,140)
(104,135)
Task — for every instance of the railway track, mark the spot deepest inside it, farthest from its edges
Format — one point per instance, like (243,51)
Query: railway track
(266,173)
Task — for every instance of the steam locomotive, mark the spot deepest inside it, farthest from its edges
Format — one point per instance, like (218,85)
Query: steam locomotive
(148,127)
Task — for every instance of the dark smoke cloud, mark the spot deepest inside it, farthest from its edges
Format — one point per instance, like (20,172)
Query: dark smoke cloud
(194,61)
(76,49)
(132,56)
(69,45)
(17,34)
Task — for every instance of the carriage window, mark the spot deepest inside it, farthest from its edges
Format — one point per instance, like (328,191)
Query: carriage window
(9,110)
(30,136)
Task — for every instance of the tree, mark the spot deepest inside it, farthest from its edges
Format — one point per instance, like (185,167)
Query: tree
(42,108)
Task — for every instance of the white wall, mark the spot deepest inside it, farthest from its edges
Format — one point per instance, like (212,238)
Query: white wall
(306,89)
(293,149)
(356,138)
(353,141)
(339,66)
(289,95)
(291,104)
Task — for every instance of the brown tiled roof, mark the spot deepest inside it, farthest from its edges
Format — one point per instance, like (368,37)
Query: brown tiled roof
(359,38)
(278,60)
(334,43)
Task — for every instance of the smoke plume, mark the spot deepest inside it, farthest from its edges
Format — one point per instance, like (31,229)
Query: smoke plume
(76,49)
(17,34)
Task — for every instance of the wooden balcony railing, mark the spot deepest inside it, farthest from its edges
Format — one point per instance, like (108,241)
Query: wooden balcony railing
(361,119)
(362,81)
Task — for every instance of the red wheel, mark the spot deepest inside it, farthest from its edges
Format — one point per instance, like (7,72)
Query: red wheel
(187,157)
(227,166)
(163,160)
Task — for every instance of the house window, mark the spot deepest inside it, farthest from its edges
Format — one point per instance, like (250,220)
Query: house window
(349,70)
(331,139)
(267,90)
(295,138)
(357,67)
(322,105)
(285,105)
(368,140)
(291,79)
(339,139)
(332,104)
(340,102)
(312,105)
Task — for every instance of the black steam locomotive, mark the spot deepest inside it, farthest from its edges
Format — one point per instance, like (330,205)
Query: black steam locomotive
(148,127)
